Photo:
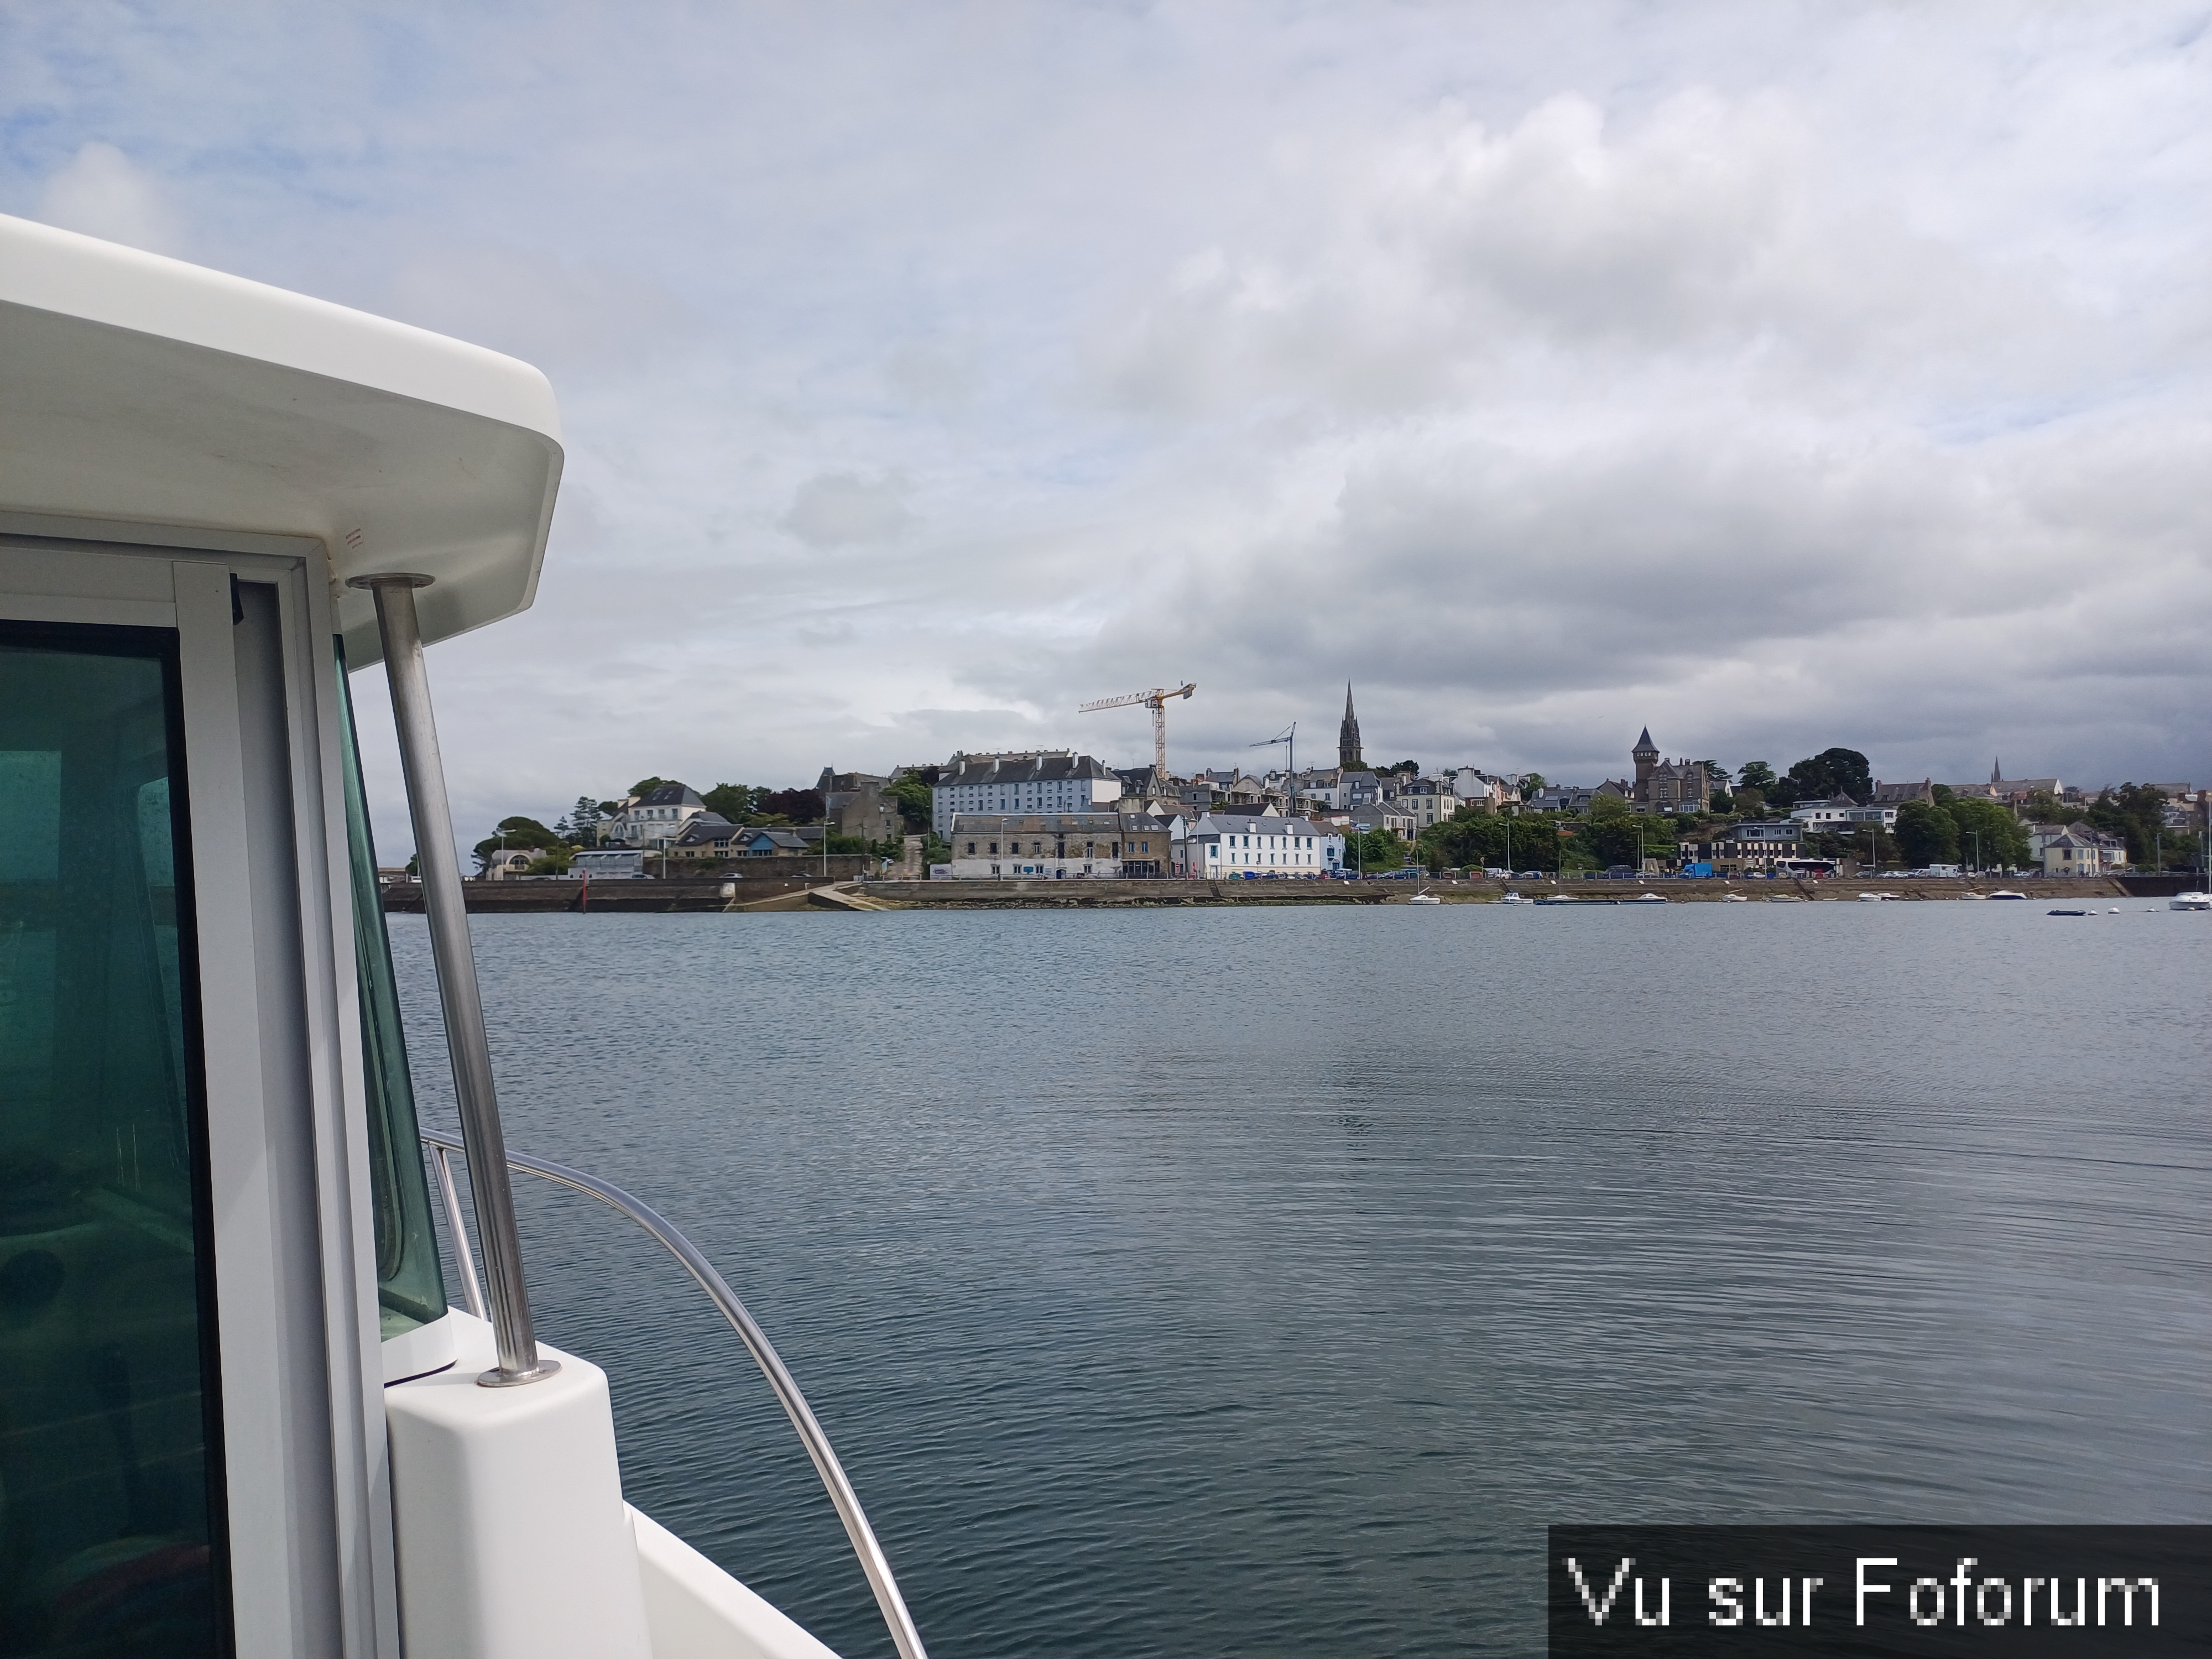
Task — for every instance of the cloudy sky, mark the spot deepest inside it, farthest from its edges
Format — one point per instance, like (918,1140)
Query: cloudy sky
(1775,376)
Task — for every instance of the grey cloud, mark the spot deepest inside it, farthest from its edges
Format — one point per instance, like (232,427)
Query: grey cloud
(832,509)
(1780,376)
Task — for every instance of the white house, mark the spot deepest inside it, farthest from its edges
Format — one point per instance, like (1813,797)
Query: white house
(655,818)
(1222,847)
(1829,812)
(1060,781)
(1057,846)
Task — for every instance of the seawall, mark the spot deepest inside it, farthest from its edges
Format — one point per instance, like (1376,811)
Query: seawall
(652,895)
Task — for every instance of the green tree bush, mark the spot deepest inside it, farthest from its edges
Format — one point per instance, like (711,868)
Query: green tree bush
(1373,851)
(1491,841)
(1832,772)
(738,802)
(2137,810)
(518,832)
(915,802)
(1926,834)
(1989,836)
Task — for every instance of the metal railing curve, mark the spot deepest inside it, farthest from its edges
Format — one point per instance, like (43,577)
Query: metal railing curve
(873,1562)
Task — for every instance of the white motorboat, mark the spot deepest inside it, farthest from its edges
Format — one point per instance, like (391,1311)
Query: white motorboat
(241,1416)
(1516,899)
(2006,893)
(2189,902)
(1876,898)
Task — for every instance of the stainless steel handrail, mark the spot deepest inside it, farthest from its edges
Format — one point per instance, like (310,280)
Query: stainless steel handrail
(873,1562)
(458,999)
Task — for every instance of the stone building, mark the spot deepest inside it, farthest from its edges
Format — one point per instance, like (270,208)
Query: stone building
(1684,785)
(1347,738)
(855,804)
(1058,845)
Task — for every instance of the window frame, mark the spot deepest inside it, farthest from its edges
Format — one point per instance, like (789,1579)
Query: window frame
(310,1552)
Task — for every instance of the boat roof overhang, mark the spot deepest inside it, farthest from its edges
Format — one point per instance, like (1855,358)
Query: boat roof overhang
(137,390)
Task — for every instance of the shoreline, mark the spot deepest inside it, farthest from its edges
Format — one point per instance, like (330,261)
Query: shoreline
(653,896)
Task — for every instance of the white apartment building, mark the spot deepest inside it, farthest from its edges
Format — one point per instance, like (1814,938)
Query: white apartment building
(1033,781)
(1228,848)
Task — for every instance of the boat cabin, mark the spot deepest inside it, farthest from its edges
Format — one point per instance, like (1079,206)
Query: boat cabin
(238,1415)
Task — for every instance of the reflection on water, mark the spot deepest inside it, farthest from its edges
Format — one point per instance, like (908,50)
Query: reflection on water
(1263,1282)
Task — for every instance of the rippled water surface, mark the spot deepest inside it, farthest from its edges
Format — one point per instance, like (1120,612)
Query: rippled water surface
(1262,1282)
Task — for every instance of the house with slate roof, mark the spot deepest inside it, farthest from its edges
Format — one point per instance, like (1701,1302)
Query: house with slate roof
(1668,785)
(656,818)
(1057,846)
(2078,850)
(1228,848)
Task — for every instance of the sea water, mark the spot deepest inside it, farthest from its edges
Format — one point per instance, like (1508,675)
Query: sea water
(1263,1282)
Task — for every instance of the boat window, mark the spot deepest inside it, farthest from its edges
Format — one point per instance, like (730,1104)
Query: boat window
(409,1288)
(110,1460)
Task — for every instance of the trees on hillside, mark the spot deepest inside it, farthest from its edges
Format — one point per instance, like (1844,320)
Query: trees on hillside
(1989,836)
(1491,841)
(792,805)
(736,802)
(1373,850)
(2137,810)
(1831,772)
(581,826)
(521,832)
(915,802)
(1926,834)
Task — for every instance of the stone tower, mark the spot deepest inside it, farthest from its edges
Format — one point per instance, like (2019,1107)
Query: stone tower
(1646,755)
(1347,736)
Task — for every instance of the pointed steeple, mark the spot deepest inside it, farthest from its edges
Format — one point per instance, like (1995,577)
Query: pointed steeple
(1645,746)
(1996,772)
(1348,736)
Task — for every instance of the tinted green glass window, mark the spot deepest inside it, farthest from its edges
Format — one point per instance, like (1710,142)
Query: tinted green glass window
(110,1496)
(410,1289)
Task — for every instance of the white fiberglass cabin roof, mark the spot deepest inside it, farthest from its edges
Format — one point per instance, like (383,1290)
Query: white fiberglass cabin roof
(140,391)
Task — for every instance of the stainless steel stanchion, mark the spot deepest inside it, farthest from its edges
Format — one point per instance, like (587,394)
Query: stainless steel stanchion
(450,947)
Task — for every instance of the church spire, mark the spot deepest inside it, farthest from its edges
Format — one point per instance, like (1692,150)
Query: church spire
(1348,736)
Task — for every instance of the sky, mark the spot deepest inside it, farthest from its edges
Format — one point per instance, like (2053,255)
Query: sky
(1775,376)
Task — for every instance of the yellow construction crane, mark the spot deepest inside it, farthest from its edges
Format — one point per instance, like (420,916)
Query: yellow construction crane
(1156,701)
